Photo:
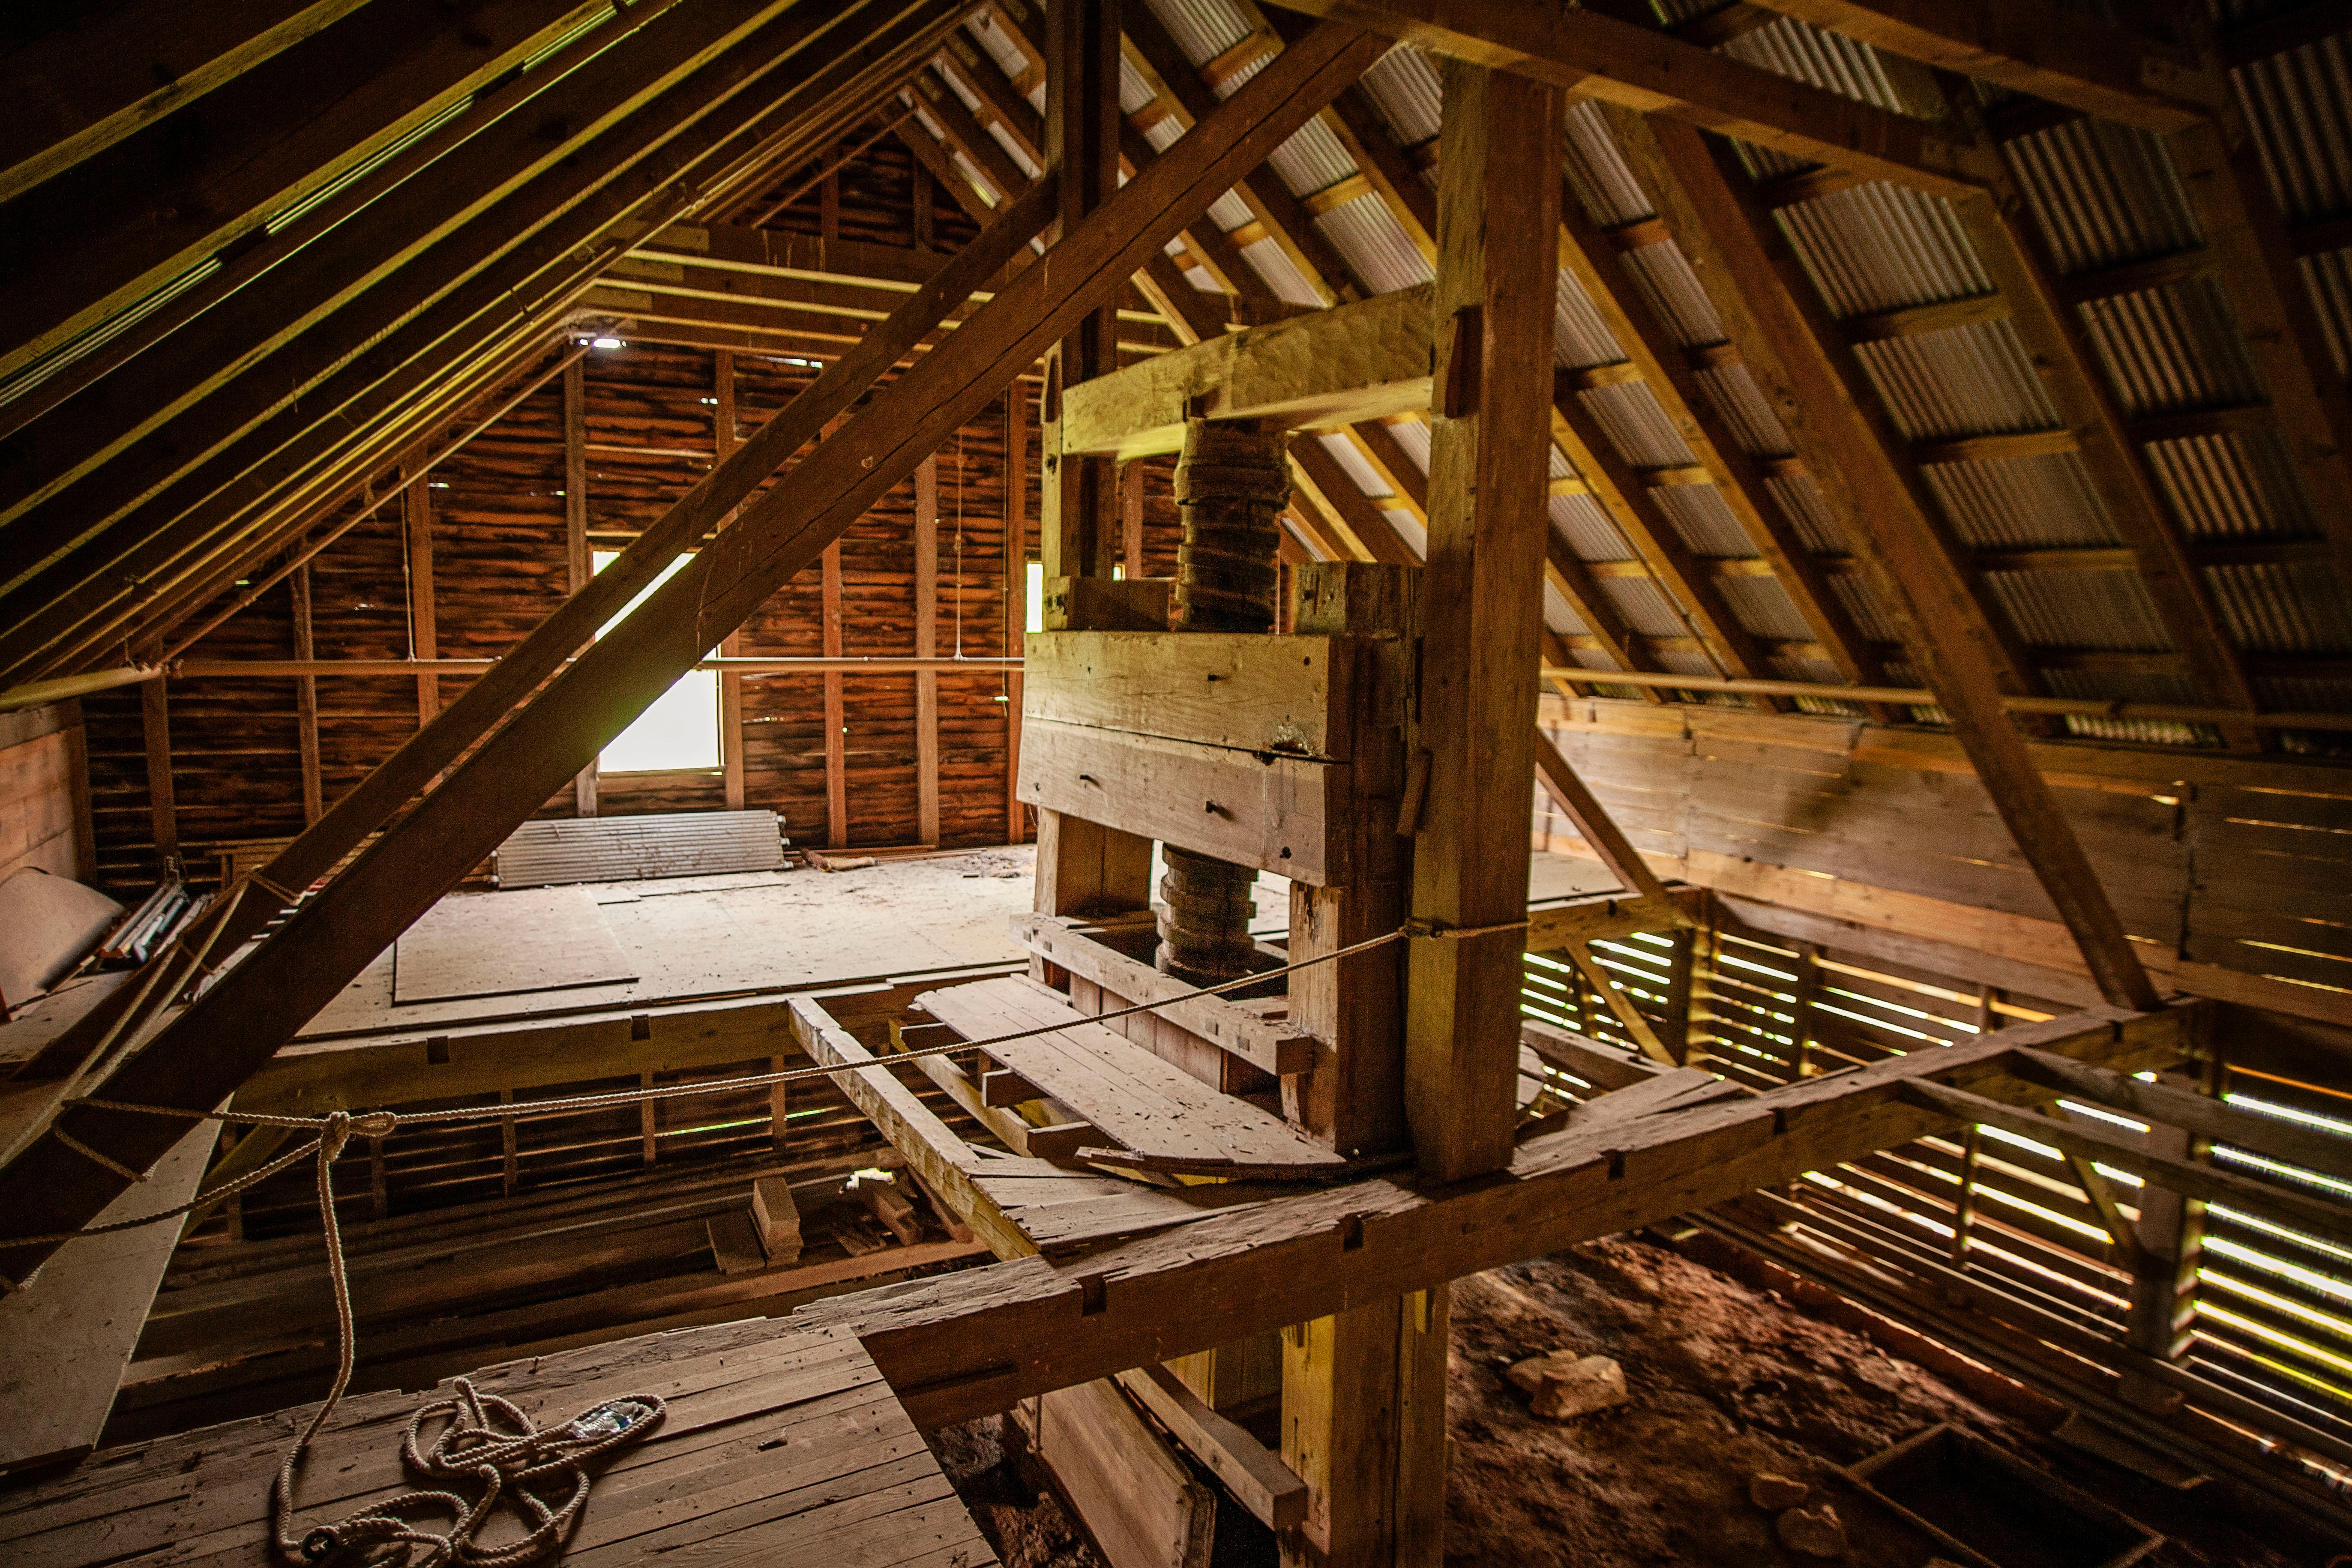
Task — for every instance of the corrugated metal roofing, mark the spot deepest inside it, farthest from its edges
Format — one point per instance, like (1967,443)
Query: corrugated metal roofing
(1663,275)
(2289,607)
(1281,273)
(1644,606)
(1561,618)
(1703,520)
(2173,347)
(1828,60)
(2109,611)
(2102,194)
(2329,278)
(1368,236)
(1413,436)
(1591,536)
(1969,381)
(1629,414)
(1598,172)
(2017,502)
(992,36)
(1764,609)
(1800,500)
(1403,86)
(2242,484)
(1753,424)
(1879,247)
(1410,530)
(1861,607)
(1343,452)
(1134,91)
(1581,337)
(2298,107)
(1203,29)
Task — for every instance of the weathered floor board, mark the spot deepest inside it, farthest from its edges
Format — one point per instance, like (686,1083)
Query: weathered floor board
(1131,1096)
(775,1449)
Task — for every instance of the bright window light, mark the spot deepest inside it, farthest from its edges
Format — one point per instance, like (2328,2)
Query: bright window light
(606,343)
(1037,596)
(680,731)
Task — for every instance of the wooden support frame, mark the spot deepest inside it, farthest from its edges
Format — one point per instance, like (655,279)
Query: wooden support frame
(1482,613)
(1015,567)
(837,722)
(579,564)
(725,437)
(423,620)
(162,812)
(305,698)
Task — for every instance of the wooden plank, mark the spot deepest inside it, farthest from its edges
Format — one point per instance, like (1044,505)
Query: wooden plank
(1277,813)
(1273,1047)
(1608,917)
(162,818)
(579,562)
(76,1322)
(1140,1502)
(306,699)
(724,438)
(423,623)
(1604,1066)
(1016,593)
(1250,693)
(1482,613)
(467,948)
(1259,1479)
(1132,1097)
(1339,366)
(927,644)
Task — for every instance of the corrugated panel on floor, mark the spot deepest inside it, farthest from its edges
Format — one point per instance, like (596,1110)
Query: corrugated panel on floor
(628,849)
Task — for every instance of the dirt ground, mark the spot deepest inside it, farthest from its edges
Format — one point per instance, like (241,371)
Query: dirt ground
(1724,1381)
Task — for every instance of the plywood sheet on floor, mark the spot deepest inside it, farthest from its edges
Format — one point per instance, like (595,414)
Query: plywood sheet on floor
(728,936)
(500,945)
(775,1449)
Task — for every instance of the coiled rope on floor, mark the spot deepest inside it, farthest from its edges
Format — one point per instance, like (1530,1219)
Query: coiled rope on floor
(507,1461)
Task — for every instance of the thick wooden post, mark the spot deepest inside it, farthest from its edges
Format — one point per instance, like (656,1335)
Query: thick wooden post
(306,697)
(424,627)
(1481,609)
(927,645)
(731,686)
(1363,1425)
(575,528)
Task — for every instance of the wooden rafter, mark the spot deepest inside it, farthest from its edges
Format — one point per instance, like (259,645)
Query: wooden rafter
(1828,406)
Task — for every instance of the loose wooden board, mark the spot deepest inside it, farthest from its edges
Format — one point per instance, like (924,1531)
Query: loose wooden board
(70,1331)
(47,922)
(484,946)
(1131,1096)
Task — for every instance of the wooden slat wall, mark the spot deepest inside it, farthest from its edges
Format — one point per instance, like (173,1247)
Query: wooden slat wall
(497,521)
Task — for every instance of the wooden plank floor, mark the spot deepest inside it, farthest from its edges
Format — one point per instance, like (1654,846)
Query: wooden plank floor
(1134,1098)
(778,1448)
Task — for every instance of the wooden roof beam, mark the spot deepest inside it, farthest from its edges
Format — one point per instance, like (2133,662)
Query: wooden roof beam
(1642,69)
(1829,407)
(2098,67)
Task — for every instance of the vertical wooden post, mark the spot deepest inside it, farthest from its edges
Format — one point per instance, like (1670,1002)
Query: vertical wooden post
(576,528)
(1353,1099)
(925,203)
(163,813)
(306,697)
(731,686)
(836,750)
(1016,596)
(828,197)
(1363,1425)
(648,1121)
(1809,986)
(1675,1029)
(423,631)
(509,1149)
(2172,1233)
(1482,610)
(777,1106)
(1130,517)
(1964,1207)
(927,645)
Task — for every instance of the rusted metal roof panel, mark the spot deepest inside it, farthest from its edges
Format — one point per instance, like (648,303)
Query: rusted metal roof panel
(2014,502)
